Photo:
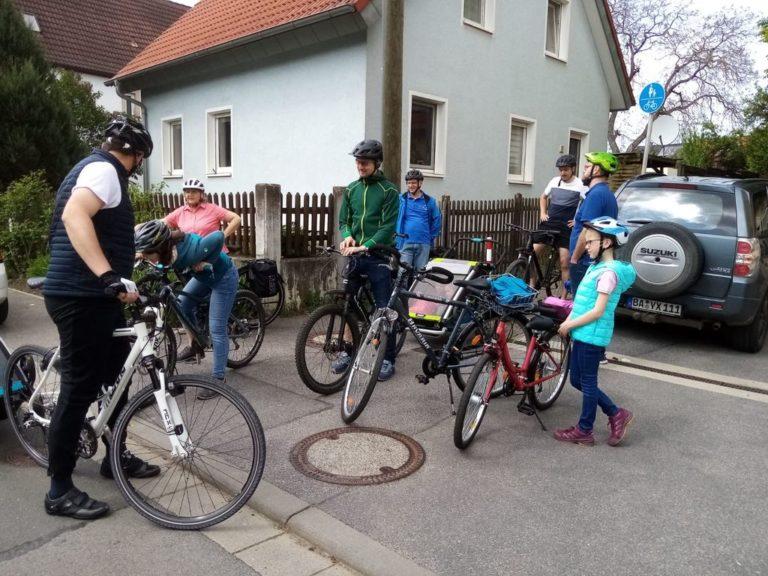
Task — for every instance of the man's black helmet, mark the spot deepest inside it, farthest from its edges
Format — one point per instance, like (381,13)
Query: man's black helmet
(131,133)
(152,236)
(565,161)
(369,150)
(414,175)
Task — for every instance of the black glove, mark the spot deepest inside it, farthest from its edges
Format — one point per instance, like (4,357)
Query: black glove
(112,283)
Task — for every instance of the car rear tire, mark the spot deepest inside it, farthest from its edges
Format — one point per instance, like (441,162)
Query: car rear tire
(674,269)
(751,338)
(3,310)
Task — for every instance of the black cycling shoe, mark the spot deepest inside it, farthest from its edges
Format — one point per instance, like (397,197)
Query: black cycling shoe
(76,504)
(134,467)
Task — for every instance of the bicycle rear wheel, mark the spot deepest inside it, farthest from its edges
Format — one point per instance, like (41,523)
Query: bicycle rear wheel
(273,305)
(24,373)
(550,359)
(245,329)
(319,346)
(474,402)
(365,370)
(225,460)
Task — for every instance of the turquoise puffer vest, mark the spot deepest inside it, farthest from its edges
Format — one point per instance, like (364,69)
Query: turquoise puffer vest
(600,332)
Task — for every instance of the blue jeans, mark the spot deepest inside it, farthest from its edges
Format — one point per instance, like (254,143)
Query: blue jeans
(417,255)
(577,274)
(222,299)
(380,279)
(585,361)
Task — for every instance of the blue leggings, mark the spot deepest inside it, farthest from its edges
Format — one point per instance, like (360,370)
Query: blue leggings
(585,361)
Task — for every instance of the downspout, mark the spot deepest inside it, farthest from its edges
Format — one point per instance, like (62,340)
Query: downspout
(132,101)
(392,112)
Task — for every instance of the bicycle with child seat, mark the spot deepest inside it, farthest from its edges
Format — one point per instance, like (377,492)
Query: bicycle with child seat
(334,329)
(539,272)
(245,327)
(479,327)
(540,377)
(271,291)
(211,453)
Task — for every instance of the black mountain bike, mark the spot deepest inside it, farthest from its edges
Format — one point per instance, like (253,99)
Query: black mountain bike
(245,327)
(474,329)
(539,272)
(334,329)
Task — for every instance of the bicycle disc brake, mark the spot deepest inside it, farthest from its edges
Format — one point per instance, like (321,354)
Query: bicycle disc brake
(87,444)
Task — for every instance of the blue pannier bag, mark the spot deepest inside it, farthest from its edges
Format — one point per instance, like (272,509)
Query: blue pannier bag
(511,291)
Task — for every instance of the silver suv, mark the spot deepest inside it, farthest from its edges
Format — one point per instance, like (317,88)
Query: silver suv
(3,291)
(700,249)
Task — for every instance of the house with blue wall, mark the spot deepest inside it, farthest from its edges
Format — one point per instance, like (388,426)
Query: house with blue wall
(238,92)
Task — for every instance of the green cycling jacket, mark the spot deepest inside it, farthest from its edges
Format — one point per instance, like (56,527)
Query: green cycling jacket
(369,211)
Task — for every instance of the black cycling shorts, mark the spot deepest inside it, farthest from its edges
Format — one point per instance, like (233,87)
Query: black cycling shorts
(560,231)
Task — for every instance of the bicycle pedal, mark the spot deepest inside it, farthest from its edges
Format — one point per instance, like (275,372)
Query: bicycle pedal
(526,409)
(421,379)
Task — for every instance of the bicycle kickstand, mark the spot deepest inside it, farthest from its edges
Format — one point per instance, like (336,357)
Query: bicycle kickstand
(526,408)
(450,393)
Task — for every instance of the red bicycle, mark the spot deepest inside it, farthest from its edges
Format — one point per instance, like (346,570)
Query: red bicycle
(540,378)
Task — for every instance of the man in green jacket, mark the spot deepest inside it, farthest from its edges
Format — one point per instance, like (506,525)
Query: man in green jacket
(369,216)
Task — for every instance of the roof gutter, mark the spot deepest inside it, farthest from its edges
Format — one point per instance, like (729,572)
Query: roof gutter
(130,100)
(615,48)
(237,42)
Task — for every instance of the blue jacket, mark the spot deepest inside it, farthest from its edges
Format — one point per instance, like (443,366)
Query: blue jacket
(599,201)
(428,230)
(195,248)
(599,332)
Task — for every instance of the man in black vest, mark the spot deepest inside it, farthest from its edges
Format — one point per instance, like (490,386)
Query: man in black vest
(92,250)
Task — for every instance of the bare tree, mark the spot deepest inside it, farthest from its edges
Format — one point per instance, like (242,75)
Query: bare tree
(703,63)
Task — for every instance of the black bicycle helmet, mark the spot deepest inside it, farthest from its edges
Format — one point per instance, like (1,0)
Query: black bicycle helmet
(369,150)
(152,236)
(566,160)
(414,175)
(131,133)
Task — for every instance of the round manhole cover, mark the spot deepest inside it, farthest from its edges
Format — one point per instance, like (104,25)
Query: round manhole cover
(357,456)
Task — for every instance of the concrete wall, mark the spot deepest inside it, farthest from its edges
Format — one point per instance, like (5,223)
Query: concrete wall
(306,279)
(295,117)
(486,77)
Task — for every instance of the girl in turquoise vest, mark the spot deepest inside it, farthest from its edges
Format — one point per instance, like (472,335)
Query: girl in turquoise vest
(591,327)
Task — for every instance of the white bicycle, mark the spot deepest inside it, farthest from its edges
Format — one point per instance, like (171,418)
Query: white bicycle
(211,453)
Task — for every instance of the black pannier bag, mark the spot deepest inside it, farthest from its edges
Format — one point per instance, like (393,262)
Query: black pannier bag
(263,277)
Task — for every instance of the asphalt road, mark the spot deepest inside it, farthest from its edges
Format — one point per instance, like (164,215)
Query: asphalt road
(685,494)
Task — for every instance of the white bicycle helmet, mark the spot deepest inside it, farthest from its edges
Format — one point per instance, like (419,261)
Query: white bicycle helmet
(609,227)
(194,184)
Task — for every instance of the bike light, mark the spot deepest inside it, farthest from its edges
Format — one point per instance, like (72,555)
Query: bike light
(747,257)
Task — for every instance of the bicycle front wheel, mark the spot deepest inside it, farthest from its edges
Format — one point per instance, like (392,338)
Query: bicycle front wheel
(245,329)
(365,370)
(550,363)
(24,375)
(520,269)
(223,464)
(474,401)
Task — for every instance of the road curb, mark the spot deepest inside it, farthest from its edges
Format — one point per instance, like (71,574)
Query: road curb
(351,547)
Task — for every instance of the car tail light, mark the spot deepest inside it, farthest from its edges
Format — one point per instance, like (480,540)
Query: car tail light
(747,257)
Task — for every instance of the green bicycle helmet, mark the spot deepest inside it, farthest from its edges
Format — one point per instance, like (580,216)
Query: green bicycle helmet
(607,161)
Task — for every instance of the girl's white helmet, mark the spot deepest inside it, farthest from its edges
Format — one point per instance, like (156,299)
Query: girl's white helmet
(194,184)
(609,227)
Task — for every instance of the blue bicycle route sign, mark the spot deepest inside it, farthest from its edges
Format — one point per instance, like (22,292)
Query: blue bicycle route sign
(652,97)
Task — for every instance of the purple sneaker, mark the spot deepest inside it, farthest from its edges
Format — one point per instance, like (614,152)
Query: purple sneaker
(618,424)
(575,435)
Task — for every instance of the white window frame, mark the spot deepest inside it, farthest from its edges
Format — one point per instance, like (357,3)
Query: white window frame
(166,136)
(582,135)
(441,132)
(489,16)
(565,27)
(529,153)
(211,142)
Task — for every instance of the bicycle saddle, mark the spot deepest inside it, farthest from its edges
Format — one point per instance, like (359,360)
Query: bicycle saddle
(540,324)
(479,283)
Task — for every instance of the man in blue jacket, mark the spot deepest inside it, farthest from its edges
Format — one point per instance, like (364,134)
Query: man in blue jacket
(418,221)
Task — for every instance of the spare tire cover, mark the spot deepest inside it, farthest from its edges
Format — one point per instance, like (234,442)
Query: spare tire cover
(667,257)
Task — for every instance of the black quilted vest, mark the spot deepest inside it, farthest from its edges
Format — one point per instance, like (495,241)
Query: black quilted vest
(67,274)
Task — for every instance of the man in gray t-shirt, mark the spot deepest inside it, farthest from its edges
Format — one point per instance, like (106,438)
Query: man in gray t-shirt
(558,205)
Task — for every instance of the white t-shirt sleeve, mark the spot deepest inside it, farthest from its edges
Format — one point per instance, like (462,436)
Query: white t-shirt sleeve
(552,183)
(101,179)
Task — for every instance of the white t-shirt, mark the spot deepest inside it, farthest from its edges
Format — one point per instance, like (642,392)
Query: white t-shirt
(575,184)
(101,179)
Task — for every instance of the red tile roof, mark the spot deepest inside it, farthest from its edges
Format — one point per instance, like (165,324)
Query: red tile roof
(99,36)
(213,23)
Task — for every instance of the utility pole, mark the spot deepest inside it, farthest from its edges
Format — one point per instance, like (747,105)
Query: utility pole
(392,113)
